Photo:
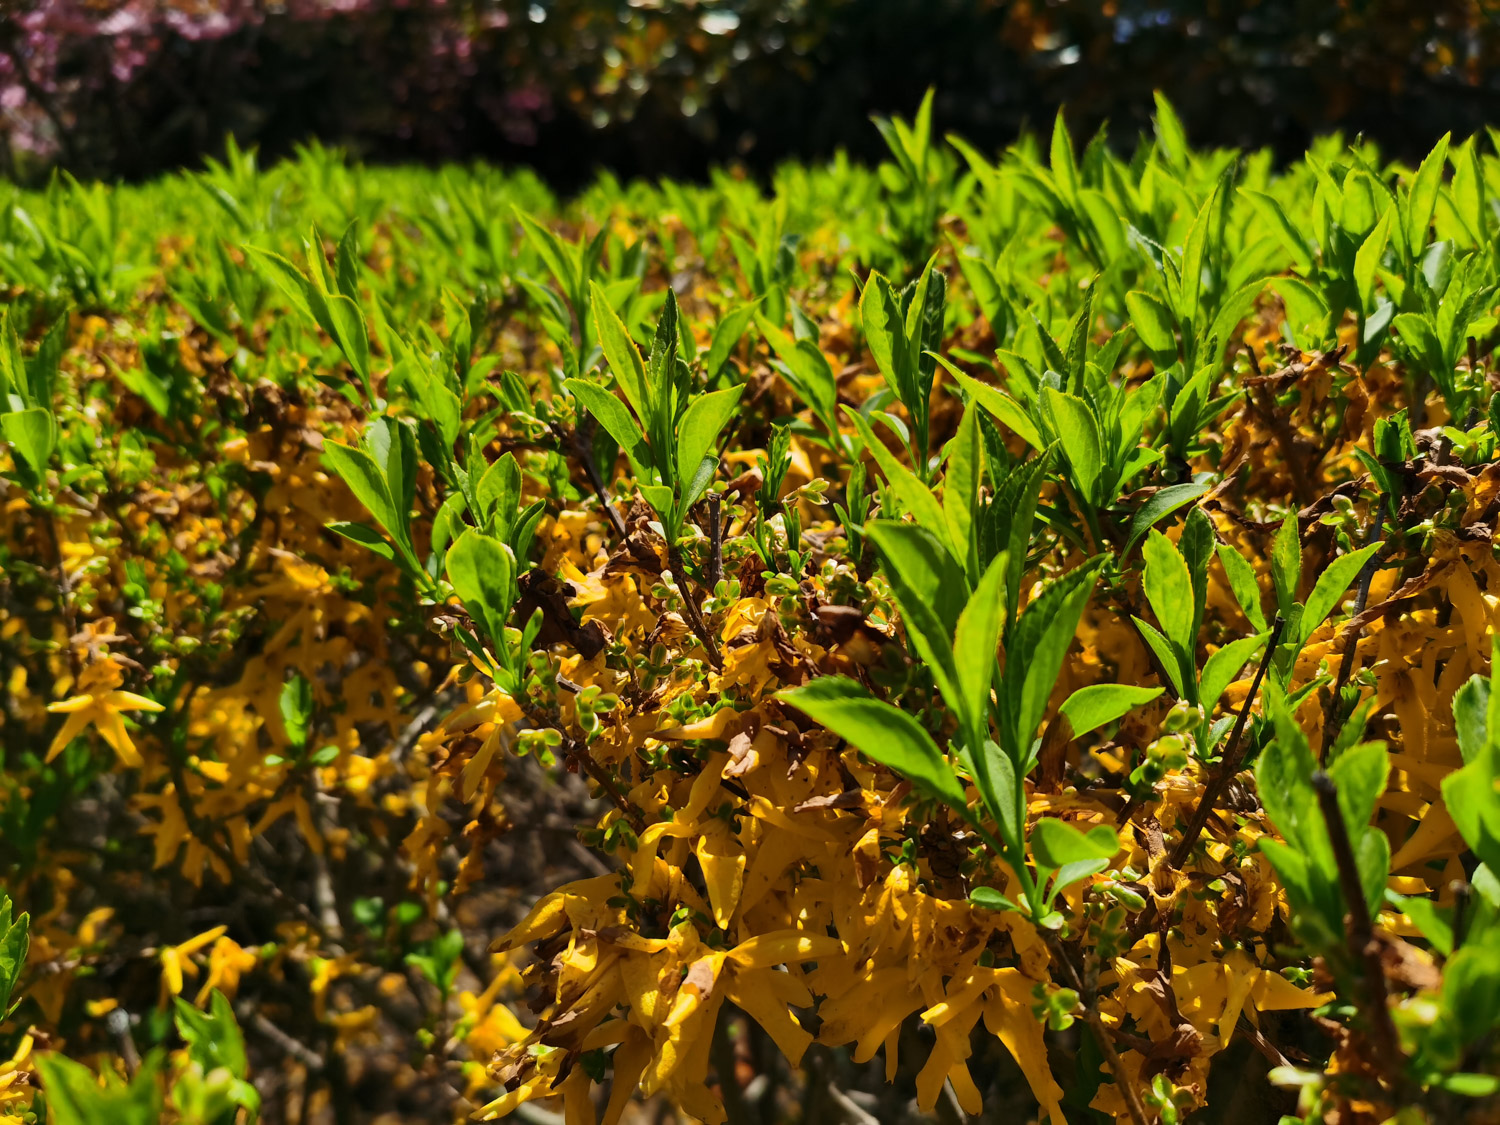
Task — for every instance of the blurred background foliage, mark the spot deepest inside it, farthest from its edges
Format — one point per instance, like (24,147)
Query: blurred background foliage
(128,88)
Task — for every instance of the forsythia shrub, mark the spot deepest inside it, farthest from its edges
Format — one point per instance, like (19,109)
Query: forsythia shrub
(1030,620)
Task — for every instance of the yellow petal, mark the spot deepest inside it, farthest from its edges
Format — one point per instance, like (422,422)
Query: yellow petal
(77,703)
(629,1062)
(723,862)
(77,722)
(130,701)
(777,948)
(171,967)
(763,997)
(207,937)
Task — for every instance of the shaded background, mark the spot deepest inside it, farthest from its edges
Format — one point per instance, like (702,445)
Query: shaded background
(128,88)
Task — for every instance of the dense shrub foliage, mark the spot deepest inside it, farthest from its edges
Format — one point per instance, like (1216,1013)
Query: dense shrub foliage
(671,87)
(973,635)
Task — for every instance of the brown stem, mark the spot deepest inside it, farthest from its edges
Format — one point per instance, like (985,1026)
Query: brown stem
(716,542)
(1234,754)
(585,455)
(694,615)
(1364,950)
(1101,1033)
(575,751)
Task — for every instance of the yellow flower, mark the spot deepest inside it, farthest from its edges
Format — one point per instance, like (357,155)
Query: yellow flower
(176,960)
(99,703)
(11,1087)
(227,962)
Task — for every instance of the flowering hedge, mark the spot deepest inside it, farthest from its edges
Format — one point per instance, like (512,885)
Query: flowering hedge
(1009,633)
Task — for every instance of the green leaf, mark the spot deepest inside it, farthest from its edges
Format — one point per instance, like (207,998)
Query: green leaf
(1074,855)
(1064,170)
(286,277)
(483,573)
(351,334)
(1360,774)
(1169,589)
(1286,564)
(1018,498)
(1470,1085)
(366,537)
(499,490)
(884,733)
(915,496)
(1162,503)
(1471,991)
(1419,334)
(696,434)
(1056,842)
(1435,922)
(1090,708)
(1035,652)
(1166,654)
(1078,432)
(1194,252)
(75,1097)
(1471,704)
(213,1037)
(961,480)
(885,334)
(1305,309)
(931,592)
(1233,309)
(32,434)
(1372,857)
(1294,869)
(1171,137)
(553,253)
(15,942)
(1283,781)
(987,898)
(1296,244)
(1242,584)
(1003,793)
(1474,805)
(297,709)
(1153,321)
(974,643)
(1000,405)
(1368,258)
(1220,669)
(612,415)
(727,334)
(623,356)
(359,471)
(1329,590)
(807,370)
(660,497)
(1424,193)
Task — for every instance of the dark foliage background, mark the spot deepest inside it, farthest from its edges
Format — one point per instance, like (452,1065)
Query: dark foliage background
(666,87)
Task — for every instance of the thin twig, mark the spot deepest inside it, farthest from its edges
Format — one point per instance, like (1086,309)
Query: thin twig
(585,454)
(1101,1033)
(716,542)
(295,1048)
(1333,716)
(1364,949)
(1234,754)
(694,615)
